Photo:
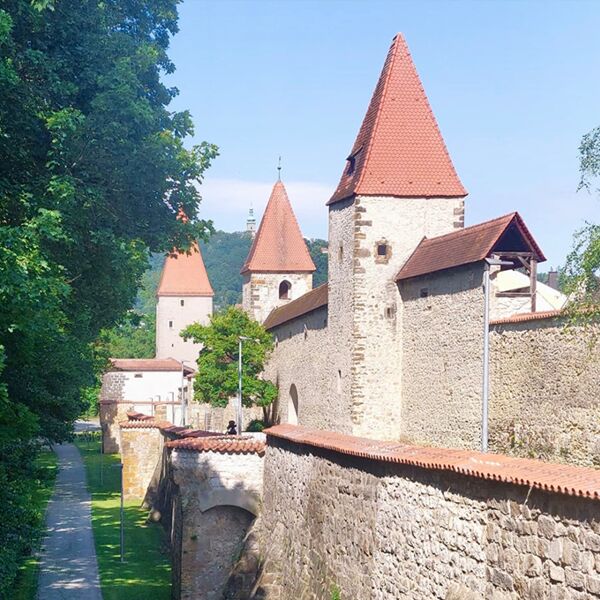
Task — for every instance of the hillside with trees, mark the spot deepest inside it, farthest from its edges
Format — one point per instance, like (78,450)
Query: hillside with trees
(224,255)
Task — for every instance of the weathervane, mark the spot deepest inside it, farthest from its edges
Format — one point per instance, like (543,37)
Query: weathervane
(279,170)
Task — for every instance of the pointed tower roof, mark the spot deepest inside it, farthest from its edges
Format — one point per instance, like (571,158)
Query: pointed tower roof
(184,274)
(399,150)
(279,246)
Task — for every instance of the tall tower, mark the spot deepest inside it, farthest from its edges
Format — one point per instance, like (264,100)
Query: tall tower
(184,296)
(397,186)
(278,267)
(251,223)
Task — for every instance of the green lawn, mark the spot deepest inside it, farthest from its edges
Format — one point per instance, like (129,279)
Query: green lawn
(26,583)
(146,572)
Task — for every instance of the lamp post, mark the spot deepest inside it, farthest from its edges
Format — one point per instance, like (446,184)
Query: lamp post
(486,347)
(183,398)
(238,408)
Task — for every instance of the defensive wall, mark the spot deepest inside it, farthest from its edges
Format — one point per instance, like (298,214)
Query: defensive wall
(206,490)
(545,388)
(386,520)
(314,511)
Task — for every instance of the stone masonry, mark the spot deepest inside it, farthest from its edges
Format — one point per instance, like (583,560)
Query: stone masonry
(260,291)
(383,530)
(545,389)
(442,339)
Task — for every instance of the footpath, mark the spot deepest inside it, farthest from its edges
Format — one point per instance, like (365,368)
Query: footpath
(68,565)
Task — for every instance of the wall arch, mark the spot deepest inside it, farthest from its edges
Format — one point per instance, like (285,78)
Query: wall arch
(238,497)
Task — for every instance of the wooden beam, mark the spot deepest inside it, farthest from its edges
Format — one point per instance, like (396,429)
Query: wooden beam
(533,284)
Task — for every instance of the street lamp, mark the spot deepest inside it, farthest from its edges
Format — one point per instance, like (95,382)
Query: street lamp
(489,262)
(183,398)
(238,408)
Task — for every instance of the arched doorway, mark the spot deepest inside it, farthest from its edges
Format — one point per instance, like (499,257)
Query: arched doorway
(293,405)
(285,289)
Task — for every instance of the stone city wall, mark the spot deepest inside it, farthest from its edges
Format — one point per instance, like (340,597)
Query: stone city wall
(300,366)
(545,390)
(442,362)
(379,520)
(219,485)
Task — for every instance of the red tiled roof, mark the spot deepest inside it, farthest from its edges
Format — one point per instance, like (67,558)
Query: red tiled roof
(524,317)
(226,444)
(557,478)
(469,245)
(184,274)
(137,420)
(147,364)
(278,246)
(296,308)
(399,150)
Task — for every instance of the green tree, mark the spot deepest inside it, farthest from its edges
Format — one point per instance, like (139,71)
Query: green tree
(582,270)
(93,169)
(217,378)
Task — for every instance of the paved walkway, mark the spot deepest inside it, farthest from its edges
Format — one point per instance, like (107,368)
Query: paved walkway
(68,567)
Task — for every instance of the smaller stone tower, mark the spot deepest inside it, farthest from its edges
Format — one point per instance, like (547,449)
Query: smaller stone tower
(184,296)
(278,267)
(251,223)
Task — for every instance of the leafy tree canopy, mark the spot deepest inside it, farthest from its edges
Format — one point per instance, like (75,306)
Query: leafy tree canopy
(217,379)
(582,269)
(93,169)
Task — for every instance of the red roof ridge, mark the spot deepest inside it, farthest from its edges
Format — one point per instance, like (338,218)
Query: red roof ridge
(279,246)
(399,142)
(550,477)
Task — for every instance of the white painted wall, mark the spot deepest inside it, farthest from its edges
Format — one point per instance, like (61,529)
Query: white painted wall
(172,317)
(140,386)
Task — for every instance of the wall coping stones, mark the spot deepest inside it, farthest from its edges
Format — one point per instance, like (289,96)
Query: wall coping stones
(524,317)
(224,444)
(197,440)
(557,478)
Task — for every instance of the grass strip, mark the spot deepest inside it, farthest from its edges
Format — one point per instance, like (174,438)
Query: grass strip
(146,572)
(46,463)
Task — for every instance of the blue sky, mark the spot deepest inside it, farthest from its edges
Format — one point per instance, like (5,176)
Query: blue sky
(514,86)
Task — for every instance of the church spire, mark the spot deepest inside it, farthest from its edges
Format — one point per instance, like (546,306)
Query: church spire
(279,246)
(399,150)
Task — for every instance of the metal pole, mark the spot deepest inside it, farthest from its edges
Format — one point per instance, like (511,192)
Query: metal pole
(238,411)
(122,520)
(486,357)
(182,398)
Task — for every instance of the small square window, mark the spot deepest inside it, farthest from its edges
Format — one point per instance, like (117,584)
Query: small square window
(381,249)
(181,302)
(138,375)
(170,324)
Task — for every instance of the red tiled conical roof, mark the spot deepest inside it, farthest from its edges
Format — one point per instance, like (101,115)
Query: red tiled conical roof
(279,246)
(399,150)
(184,274)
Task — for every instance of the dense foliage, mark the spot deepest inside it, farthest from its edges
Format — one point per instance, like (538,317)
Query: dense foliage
(92,172)
(217,378)
(582,269)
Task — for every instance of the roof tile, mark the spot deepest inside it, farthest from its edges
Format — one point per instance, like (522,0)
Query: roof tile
(556,478)
(300,306)
(184,274)
(466,246)
(146,364)
(278,246)
(399,150)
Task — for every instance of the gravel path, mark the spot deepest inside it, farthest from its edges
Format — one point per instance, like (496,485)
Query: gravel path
(68,566)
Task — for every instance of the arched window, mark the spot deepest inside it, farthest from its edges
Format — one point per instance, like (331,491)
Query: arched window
(293,405)
(284,290)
